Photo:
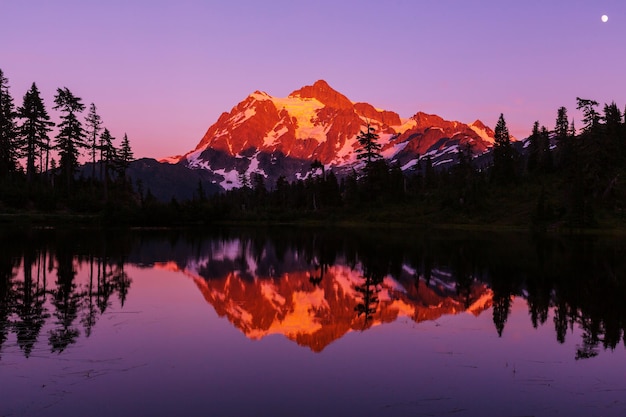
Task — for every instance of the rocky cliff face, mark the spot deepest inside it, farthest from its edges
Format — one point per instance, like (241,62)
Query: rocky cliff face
(283,136)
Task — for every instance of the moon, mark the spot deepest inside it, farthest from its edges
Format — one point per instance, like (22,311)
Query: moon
(605,18)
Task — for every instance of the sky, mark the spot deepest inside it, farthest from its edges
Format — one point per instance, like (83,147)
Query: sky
(163,71)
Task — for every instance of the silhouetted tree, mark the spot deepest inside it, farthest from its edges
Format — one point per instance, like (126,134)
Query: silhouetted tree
(66,301)
(8,131)
(561,129)
(369,298)
(30,307)
(125,155)
(7,293)
(71,136)
(34,129)
(107,159)
(591,117)
(370,148)
(503,154)
(93,123)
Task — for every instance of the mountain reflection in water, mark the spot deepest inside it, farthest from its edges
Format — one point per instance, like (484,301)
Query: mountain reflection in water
(316,286)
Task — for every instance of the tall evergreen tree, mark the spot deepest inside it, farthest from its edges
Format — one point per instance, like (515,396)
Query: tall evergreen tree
(125,155)
(503,153)
(370,148)
(591,118)
(562,124)
(71,136)
(93,123)
(108,155)
(8,132)
(34,129)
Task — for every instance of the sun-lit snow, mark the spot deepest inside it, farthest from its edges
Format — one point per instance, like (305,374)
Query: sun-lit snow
(405,125)
(393,150)
(171,159)
(272,138)
(482,133)
(304,110)
(261,96)
(242,117)
(346,153)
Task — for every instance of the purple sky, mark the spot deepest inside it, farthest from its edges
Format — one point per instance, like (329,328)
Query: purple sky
(163,71)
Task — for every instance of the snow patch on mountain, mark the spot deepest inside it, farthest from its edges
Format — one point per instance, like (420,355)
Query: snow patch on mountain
(243,117)
(274,136)
(231,179)
(482,133)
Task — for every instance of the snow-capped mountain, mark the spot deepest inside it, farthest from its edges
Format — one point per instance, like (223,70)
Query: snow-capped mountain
(282,136)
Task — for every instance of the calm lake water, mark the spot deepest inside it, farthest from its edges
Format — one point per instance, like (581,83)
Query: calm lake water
(290,322)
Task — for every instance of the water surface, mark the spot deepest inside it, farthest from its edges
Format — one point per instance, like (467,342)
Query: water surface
(309,323)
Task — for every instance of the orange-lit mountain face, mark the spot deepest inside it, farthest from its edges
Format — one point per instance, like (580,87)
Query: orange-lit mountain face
(314,308)
(282,136)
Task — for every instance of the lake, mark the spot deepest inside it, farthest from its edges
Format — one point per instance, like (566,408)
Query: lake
(311,322)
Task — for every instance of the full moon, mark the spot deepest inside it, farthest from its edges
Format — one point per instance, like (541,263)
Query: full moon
(605,18)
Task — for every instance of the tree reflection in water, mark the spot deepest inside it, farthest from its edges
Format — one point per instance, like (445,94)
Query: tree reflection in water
(579,281)
(28,303)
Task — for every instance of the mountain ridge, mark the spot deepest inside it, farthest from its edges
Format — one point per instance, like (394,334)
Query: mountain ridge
(276,137)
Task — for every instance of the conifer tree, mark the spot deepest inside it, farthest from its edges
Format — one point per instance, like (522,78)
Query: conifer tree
(108,155)
(8,132)
(591,118)
(34,129)
(503,153)
(561,130)
(125,155)
(370,148)
(93,123)
(71,136)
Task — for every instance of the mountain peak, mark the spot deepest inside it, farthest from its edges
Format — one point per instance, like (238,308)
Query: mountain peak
(324,93)
(479,124)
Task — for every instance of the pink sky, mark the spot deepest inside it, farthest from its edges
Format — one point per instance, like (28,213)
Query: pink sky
(163,71)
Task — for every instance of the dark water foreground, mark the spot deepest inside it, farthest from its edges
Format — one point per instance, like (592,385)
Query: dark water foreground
(309,323)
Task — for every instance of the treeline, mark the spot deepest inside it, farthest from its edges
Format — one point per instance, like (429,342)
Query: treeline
(45,183)
(558,177)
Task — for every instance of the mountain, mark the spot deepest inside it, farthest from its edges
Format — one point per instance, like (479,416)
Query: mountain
(283,136)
